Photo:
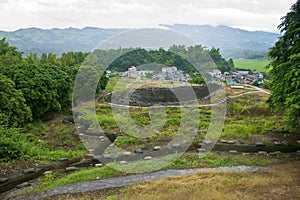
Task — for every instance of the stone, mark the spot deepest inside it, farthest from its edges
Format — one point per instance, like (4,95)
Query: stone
(230,142)
(262,152)
(223,141)
(102,140)
(148,158)
(138,151)
(112,145)
(285,143)
(98,165)
(260,144)
(175,145)
(47,172)
(246,154)
(69,169)
(207,142)
(63,159)
(101,137)
(127,153)
(233,151)
(106,155)
(123,162)
(29,171)
(201,150)
(3,180)
(275,153)
(156,148)
(22,185)
(277,143)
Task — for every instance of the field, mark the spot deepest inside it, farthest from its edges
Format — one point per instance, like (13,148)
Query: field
(259,65)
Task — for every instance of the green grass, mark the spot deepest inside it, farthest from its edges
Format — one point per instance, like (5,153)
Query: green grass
(258,65)
(188,160)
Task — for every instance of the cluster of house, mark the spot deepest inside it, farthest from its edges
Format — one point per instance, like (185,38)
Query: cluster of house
(172,73)
(235,77)
(167,73)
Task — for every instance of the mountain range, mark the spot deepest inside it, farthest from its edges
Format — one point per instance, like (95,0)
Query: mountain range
(233,42)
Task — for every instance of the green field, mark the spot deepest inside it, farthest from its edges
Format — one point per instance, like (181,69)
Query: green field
(259,65)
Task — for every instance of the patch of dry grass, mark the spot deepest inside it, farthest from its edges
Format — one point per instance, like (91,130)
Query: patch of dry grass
(282,183)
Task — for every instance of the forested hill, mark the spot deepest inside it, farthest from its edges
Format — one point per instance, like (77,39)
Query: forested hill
(232,42)
(235,43)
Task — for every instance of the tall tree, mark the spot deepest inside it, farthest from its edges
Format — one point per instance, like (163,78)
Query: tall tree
(13,110)
(285,68)
(8,54)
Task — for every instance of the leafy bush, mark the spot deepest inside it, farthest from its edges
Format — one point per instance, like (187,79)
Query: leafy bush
(12,144)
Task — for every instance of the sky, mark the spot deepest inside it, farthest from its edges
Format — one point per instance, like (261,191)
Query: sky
(245,14)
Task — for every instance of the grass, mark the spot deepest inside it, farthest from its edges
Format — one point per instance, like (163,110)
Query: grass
(281,183)
(188,160)
(258,65)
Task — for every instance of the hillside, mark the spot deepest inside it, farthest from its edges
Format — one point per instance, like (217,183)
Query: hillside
(235,43)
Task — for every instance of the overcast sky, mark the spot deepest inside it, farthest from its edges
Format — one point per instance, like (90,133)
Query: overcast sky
(245,14)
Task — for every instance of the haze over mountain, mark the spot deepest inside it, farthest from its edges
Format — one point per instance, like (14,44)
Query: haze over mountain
(235,43)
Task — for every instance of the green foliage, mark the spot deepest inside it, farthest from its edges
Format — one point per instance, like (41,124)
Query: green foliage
(197,79)
(44,90)
(12,144)
(285,71)
(8,54)
(222,64)
(14,111)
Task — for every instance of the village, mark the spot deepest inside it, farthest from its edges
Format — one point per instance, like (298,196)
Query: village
(173,74)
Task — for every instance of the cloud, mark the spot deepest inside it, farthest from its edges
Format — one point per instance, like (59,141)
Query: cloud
(249,14)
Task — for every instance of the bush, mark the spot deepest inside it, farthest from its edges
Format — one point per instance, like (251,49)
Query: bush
(12,144)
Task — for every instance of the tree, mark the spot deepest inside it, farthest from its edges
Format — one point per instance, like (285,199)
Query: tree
(38,87)
(9,54)
(14,111)
(285,70)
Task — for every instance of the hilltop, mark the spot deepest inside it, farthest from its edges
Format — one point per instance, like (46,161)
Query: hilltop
(235,43)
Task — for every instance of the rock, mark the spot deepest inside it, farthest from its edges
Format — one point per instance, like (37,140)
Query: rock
(91,150)
(102,140)
(246,154)
(277,143)
(207,142)
(112,145)
(69,169)
(175,145)
(63,159)
(29,171)
(230,142)
(260,144)
(3,180)
(123,162)
(262,152)
(138,151)
(233,151)
(275,153)
(127,153)
(285,143)
(156,148)
(101,137)
(148,158)
(106,155)
(201,150)
(223,141)
(98,165)
(47,172)
(22,185)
